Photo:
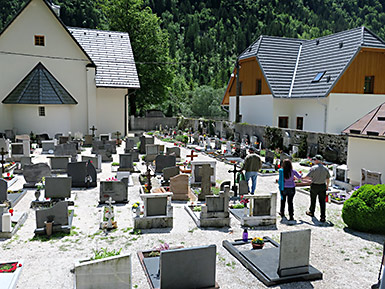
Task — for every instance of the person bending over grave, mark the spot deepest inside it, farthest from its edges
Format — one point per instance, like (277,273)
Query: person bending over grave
(251,166)
(287,187)
(319,176)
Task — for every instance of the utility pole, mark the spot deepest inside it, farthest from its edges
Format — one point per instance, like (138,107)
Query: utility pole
(238,88)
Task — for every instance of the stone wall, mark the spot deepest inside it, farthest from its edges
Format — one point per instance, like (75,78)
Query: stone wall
(151,123)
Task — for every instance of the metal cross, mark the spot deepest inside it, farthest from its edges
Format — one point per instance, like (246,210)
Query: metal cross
(2,153)
(192,156)
(149,176)
(235,171)
(93,128)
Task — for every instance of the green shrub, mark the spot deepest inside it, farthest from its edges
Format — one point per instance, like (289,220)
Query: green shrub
(182,138)
(365,210)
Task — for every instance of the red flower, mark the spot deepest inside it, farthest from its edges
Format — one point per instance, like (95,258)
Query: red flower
(300,172)
(279,166)
(8,174)
(20,265)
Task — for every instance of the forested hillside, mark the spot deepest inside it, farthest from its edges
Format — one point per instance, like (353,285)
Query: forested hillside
(205,36)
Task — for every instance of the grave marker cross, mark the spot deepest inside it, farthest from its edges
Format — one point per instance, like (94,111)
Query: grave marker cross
(93,128)
(118,134)
(235,171)
(149,176)
(2,153)
(192,156)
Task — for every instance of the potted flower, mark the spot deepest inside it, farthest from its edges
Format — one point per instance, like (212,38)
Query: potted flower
(257,243)
(136,208)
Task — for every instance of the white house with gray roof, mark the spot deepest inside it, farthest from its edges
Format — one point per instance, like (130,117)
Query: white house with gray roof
(319,85)
(58,79)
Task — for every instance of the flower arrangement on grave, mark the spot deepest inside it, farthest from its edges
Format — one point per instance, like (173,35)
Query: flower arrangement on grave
(115,164)
(146,188)
(135,206)
(307,162)
(237,206)
(244,201)
(112,179)
(197,209)
(257,243)
(156,251)
(41,185)
(9,267)
(8,176)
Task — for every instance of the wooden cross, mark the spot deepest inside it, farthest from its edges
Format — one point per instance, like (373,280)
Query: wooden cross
(118,134)
(235,171)
(192,156)
(206,171)
(2,153)
(149,176)
(93,128)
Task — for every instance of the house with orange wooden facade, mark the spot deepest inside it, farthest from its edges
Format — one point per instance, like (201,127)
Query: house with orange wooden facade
(319,85)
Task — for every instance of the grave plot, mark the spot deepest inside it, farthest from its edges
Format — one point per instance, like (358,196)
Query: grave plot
(10,221)
(110,272)
(180,268)
(114,189)
(277,263)
(59,164)
(180,188)
(9,273)
(83,174)
(34,173)
(332,195)
(158,212)
(215,213)
(261,210)
(107,221)
(205,174)
(96,161)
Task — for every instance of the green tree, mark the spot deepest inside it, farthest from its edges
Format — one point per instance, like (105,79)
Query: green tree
(205,101)
(150,47)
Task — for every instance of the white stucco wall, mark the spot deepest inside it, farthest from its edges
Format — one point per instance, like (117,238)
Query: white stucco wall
(110,110)
(345,109)
(365,153)
(36,19)
(255,109)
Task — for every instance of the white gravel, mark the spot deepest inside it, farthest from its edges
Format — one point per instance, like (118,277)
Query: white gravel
(347,259)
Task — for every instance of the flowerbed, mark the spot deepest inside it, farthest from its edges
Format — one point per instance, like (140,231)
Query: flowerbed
(9,267)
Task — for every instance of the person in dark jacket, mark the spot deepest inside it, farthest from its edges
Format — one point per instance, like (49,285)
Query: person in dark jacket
(252,165)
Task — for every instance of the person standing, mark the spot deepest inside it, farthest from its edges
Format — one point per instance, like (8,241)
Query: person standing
(319,176)
(252,165)
(287,187)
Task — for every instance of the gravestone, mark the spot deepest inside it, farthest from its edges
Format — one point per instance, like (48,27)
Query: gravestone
(58,214)
(261,206)
(170,172)
(110,146)
(66,149)
(95,160)
(3,191)
(223,184)
(173,150)
(88,140)
(219,203)
(57,135)
(152,150)
(59,163)
(34,173)
(285,156)
(179,186)
(116,190)
(63,139)
(135,156)
(105,137)
(294,253)
(125,162)
(83,174)
(105,154)
(57,187)
(243,188)
(19,150)
(144,140)
(312,150)
(195,171)
(164,161)
(48,146)
(9,134)
(330,154)
(130,144)
(269,157)
(25,161)
(218,144)
(370,177)
(96,146)
(205,173)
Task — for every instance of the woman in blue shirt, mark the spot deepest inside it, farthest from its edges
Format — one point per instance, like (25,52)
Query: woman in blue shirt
(287,187)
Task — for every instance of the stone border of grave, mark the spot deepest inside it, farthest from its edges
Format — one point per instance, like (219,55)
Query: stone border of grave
(8,235)
(96,273)
(313,274)
(12,182)
(9,280)
(209,222)
(18,198)
(304,191)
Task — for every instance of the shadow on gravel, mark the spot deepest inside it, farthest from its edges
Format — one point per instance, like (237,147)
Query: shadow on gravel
(316,223)
(261,228)
(380,239)
(296,285)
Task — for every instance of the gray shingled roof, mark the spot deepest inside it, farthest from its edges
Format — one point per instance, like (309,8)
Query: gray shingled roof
(39,87)
(290,65)
(112,54)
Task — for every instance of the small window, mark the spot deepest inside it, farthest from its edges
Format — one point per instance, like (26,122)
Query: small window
(41,111)
(39,40)
(369,84)
(283,121)
(259,87)
(299,123)
(318,77)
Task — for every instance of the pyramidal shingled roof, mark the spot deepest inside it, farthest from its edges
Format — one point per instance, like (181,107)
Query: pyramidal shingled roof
(39,87)
(371,124)
(290,65)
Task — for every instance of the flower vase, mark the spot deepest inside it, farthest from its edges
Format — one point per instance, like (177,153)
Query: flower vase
(48,228)
(37,195)
(137,211)
(257,246)
(245,211)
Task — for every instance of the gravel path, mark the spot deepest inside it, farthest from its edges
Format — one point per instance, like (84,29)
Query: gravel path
(347,259)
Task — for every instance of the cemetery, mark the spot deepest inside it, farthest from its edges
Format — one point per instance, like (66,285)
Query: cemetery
(200,213)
